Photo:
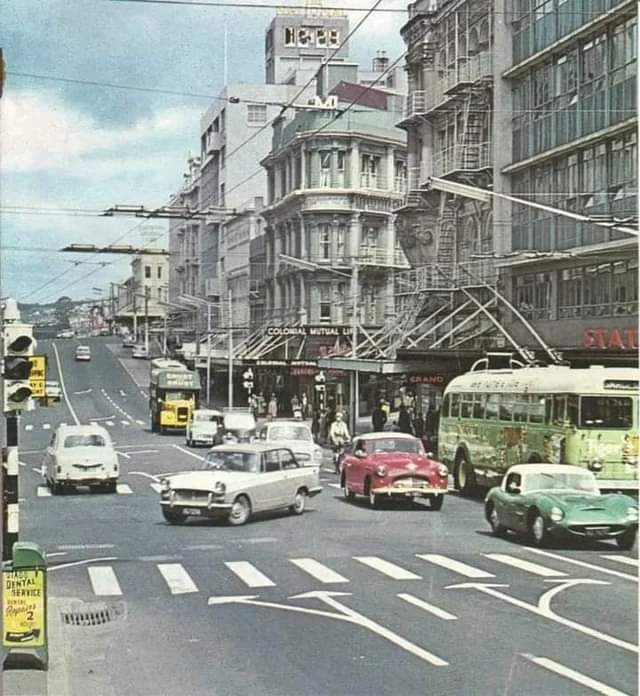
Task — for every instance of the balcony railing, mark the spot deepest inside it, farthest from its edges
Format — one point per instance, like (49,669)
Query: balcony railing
(461,157)
(469,69)
(373,181)
(381,257)
(443,276)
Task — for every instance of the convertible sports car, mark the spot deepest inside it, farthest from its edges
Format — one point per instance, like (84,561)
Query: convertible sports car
(558,500)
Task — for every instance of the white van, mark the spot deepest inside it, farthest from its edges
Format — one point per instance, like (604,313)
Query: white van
(83,353)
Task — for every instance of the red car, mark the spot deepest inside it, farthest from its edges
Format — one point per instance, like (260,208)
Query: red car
(393,465)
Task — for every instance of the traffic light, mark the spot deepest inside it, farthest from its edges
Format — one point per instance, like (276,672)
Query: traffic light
(247,376)
(320,380)
(18,346)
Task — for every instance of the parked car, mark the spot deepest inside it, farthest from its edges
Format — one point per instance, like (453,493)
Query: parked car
(296,436)
(545,501)
(237,481)
(140,351)
(128,341)
(83,353)
(65,333)
(392,465)
(80,455)
(205,428)
(238,426)
(53,391)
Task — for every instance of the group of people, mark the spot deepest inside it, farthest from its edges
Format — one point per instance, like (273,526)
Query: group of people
(410,421)
(270,409)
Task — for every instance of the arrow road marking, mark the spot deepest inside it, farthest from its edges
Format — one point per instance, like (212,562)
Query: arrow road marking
(623,559)
(563,671)
(345,613)
(436,611)
(544,609)
(602,569)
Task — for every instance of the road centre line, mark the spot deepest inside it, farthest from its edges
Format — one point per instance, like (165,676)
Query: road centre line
(623,559)
(249,574)
(104,581)
(520,563)
(318,570)
(386,568)
(62,385)
(177,578)
(584,564)
(457,566)
(421,604)
(571,674)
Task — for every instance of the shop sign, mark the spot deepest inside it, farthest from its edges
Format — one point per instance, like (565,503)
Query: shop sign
(331,352)
(426,379)
(308,330)
(282,363)
(610,339)
(23,608)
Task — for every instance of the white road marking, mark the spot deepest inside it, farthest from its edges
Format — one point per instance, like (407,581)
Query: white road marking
(123,454)
(100,418)
(140,422)
(122,393)
(420,603)
(110,423)
(457,567)
(623,559)
(592,566)
(123,489)
(62,386)
(83,391)
(85,547)
(145,474)
(125,422)
(28,427)
(317,570)
(577,677)
(191,454)
(46,426)
(334,485)
(73,564)
(44,492)
(386,568)
(520,563)
(104,581)
(177,578)
(156,487)
(249,574)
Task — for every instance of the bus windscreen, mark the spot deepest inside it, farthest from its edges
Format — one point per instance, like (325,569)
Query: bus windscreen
(606,412)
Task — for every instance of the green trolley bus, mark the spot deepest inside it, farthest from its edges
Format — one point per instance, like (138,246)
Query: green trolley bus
(494,418)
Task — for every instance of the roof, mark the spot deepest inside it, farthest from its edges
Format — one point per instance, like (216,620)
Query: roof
(290,421)
(81,429)
(386,434)
(547,469)
(249,448)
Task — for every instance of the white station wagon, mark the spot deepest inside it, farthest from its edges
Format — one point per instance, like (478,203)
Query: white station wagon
(238,480)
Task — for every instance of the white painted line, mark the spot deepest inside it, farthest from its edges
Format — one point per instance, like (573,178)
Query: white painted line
(122,393)
(125,422)
(334,485)
(177,578)
(386,568)
(140,422)
(145,474)
(104,581)
(249,574)
(123,454)
(46,426)
(317,570)
(84,391)
(44,492)
(525,565)
(191,454)
(458,567)
(85,547)
(156,487)
(28,427)
(623,559)
(55,553)
(110,423)
(583,564)
(123,489)
(577,677)
(73,564)
(420,603)
(64,389)
(100,418)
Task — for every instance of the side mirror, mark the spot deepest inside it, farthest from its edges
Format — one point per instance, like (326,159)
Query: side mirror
(429,455)
(513,488)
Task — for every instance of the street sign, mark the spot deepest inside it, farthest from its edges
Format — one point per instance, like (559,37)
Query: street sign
(23,599)
(38,376)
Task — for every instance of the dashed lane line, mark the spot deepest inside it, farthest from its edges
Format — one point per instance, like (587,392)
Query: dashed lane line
(527,566)
(46,426)
(28,427)
(44,492)
(123,489)
(584,564)
(622,559)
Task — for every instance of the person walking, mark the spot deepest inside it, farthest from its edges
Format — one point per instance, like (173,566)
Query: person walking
(404,420)
(378,418)
(272,408)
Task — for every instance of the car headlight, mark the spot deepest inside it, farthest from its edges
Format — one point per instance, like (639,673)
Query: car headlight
(165,486)
(556,514)
(443,471)
(219,488)
(632,514)
(317,454)
(595,465)
(381,471)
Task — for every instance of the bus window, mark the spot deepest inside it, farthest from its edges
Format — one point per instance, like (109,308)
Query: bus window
(606,412)
(493,407)
(520,409)
(466,406)
(478,406)
(572,409)
(506,407)
(445,405)
(537,409)
(455,405)
(559,406)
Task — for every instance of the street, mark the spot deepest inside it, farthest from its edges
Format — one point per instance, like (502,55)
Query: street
(345,599)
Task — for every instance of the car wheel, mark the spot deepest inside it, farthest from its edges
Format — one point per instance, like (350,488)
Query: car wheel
(348,494)
(626,540)
(240,511)
(110,487)
(464,476)
(436,501)
(54,487)
(537,530)
(370,492)
(174,516)
(299,503)
(494,521)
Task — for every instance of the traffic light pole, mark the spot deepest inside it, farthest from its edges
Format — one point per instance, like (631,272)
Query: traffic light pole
(147,292)
(11,514)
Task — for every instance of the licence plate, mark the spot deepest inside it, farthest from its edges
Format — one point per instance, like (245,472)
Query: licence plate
(597,531)
(192,511)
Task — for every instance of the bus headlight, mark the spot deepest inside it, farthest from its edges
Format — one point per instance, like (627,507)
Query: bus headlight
(556,514)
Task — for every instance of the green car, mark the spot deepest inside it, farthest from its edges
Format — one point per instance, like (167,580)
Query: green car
(558,500)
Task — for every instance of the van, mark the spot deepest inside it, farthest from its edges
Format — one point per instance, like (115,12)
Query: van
(83,353)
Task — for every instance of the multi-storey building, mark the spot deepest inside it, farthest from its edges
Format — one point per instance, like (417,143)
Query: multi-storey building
(573,92)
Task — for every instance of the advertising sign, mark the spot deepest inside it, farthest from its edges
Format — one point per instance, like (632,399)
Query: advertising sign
(38,375)
(23,600)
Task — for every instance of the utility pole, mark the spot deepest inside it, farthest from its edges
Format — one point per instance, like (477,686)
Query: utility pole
(209,354)
(147,293)
(230,327)
(135,316)
(355,376)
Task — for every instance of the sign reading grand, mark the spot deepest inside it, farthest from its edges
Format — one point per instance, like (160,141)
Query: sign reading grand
(308,330)
(23,608)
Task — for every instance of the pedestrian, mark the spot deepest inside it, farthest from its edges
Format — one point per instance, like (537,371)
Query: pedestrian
(315,426)
(272,408)
(295,404)
(322,426)
(378,418)
(262,406)
(305,407)
(404,420)
(418,425)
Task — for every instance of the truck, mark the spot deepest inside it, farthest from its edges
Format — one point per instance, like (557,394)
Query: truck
(173,397)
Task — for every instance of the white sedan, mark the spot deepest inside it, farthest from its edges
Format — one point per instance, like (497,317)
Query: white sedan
(237,481)
(204,428)
(297,436)
(140,351)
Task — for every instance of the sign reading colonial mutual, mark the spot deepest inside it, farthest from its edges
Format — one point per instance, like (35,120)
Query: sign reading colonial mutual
(308,330)
(23,601)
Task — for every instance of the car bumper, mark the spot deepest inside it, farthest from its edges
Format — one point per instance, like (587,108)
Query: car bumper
(203,440)
(198,510)
(591,531)
(87,479)
(409,491)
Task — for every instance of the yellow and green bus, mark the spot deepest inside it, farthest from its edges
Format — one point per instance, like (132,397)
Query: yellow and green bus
(174,393)
(494,418)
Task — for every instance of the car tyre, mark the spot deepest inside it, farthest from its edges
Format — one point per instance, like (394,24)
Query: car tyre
(374,501)
(465,479)
(436,501)
(627,539)
(54,487)
(174,516)
(347,492)
(299,503)
(491,514)
(538,531)
(240,511)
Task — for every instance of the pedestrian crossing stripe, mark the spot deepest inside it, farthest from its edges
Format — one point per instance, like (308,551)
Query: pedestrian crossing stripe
(177,578)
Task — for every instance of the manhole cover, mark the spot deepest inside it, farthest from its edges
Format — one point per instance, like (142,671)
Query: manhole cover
(93,614)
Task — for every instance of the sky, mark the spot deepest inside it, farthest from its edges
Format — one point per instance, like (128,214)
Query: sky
(77,147)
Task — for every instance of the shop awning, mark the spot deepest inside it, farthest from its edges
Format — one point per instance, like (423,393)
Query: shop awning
(371,365)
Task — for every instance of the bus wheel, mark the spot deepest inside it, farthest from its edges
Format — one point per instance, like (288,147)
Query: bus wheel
(464,476)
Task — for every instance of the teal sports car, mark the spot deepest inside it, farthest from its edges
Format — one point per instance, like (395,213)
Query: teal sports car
(545,501)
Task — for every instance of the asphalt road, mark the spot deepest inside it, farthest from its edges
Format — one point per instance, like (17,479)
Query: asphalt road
(344,600)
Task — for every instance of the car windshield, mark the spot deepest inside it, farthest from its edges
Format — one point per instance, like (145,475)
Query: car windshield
(575,481)
(240,422)
(205,418)
(389,444)
(289,432)
(606,412)
(232,461)
(84,441)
